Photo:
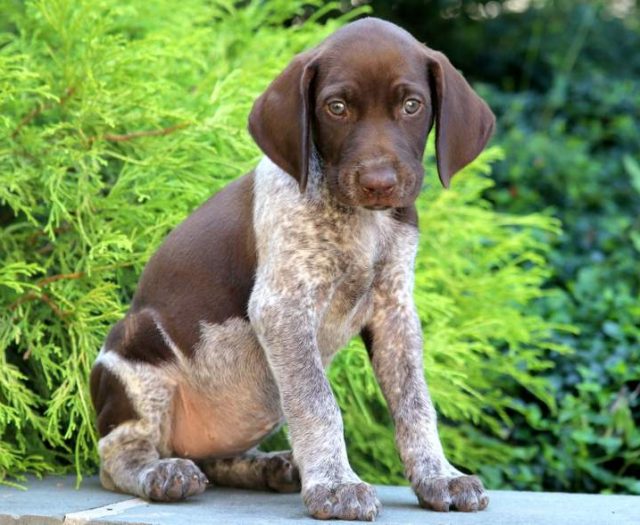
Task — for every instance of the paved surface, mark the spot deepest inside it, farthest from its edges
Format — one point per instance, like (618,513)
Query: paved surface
(55,500)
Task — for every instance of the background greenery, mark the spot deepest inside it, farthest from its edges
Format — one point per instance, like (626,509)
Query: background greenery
(118,118)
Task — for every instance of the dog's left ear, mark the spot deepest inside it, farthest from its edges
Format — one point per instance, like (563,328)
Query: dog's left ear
(464,122)
(279,121)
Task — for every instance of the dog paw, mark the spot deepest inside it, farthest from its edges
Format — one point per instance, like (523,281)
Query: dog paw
(463,493)
(281,473)
(172,480)
(345,501)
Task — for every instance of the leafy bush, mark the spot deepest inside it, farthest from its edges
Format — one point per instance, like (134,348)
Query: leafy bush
(117,119)
(570,168)
(575,150)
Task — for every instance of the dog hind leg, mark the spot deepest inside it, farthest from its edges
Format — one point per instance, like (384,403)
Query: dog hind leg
(255,470)
(133,404)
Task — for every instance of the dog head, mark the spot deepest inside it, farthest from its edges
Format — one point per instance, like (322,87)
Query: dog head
(366,99)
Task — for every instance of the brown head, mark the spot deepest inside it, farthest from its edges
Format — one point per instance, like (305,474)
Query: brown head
(366,99)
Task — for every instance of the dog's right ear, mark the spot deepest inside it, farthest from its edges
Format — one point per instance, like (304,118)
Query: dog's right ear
(280,120)
(464,122)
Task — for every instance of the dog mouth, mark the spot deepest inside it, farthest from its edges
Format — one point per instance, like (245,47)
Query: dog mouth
(375,203)
(377,207)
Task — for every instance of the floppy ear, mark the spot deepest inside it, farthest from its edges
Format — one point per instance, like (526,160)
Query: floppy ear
(279,121)
(464,122)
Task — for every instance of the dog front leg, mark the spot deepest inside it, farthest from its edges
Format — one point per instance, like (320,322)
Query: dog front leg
(394,341)
(286,329)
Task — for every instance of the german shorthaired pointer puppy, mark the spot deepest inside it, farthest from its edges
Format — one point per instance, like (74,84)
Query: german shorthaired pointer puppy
(242,308)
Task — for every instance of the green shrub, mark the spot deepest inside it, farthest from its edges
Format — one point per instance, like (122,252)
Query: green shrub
(574,150)
(118,118)
(573,170)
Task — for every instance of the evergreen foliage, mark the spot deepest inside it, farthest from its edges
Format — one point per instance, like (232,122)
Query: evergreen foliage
(116,120)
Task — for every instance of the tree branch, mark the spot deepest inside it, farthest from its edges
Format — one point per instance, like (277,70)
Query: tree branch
(40,109)
(59,277)
(32,296)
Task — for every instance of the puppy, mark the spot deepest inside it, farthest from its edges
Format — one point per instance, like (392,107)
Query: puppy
(242,308)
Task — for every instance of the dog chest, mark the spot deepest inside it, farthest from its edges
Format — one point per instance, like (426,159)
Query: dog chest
(347,312)
(308,245)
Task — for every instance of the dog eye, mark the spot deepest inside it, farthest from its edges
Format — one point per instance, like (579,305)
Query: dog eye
(411,106)
(337,107)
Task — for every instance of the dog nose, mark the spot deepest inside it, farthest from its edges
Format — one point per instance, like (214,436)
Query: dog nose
(378,182)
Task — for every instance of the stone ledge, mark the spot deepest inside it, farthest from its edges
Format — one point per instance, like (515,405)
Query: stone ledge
(54,500)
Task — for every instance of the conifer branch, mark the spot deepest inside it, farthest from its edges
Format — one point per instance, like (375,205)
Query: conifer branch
(32,296)
(33,238)
(51,304)
(41,108)
(53,278)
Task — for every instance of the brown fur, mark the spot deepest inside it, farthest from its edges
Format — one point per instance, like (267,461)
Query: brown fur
(204,270)
(138,338)
(110,400)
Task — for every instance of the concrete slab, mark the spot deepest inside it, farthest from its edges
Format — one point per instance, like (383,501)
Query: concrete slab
(52,498)
(55,500)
